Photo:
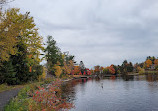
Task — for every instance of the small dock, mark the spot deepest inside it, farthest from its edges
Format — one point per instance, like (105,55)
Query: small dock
(80,77)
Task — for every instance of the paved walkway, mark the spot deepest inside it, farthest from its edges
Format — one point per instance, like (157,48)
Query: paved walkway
(6,96)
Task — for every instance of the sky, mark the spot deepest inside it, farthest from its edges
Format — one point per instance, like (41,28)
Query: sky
(98,32)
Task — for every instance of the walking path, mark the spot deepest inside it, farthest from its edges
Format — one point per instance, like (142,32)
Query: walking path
(6,96)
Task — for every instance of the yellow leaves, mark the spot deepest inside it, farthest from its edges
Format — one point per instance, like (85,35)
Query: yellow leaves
(16,27)
(58,70)
(20,28)
(140,70)
(7,42)
(68,67)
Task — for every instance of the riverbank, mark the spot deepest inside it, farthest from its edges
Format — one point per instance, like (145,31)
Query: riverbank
(26,88)
(25,95)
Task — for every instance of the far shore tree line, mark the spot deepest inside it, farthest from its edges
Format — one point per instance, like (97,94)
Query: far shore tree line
(150,64)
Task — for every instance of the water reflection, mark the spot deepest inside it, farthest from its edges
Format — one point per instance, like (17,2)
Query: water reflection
(113,93)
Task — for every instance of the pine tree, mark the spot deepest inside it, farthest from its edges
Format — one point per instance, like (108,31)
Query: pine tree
(53,54)
(10,73)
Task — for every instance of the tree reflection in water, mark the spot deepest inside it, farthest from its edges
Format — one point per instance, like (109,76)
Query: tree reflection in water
(68,88)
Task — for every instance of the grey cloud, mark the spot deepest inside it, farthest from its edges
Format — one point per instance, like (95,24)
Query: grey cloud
(98,31)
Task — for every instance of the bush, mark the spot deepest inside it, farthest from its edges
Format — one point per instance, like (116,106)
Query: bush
(35,97)
(141,70)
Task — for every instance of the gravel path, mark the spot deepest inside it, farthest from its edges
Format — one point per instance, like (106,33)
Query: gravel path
(6,96)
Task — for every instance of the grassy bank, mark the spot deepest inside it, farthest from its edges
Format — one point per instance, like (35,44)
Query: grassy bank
(22,101)
(38,96)
(5,87)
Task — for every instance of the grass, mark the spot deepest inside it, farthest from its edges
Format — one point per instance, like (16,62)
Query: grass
(23,100)
(5,87)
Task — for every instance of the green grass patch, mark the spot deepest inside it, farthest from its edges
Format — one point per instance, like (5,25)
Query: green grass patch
(22,101)
(5,87)
(24,98)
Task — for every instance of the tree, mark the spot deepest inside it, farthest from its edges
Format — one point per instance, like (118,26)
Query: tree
(156,62)
(116,69)
(8,35)
(148,63)
(140,70)
(58,69)
(66,68)
(9,73)
(97,69)
(76,70)
(22,29)
(82,67)
(111,69)
(130,67)
(52,54)
(16,27)
(106,70)
(151,58)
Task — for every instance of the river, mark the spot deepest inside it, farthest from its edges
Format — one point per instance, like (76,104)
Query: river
(134,93)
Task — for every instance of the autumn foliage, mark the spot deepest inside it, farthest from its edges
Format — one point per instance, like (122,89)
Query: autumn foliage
(48,99)
(76,70)
(148,63)
(111,69)
(97,69)
(156,61)
(58,70)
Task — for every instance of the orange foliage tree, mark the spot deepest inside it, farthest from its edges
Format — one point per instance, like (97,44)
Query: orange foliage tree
(148,63)
(156,61)
(111,69)
(76,70)
(97,69)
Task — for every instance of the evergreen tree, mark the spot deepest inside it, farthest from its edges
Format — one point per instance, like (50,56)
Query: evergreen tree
(9,73)
(130,67)
(53,54)
(82,67)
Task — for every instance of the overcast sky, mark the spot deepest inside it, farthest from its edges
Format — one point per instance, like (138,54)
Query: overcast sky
(98,32)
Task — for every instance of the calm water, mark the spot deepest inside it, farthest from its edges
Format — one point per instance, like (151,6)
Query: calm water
(139,93)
